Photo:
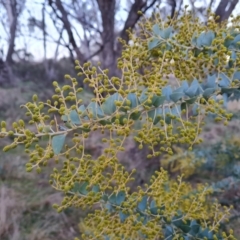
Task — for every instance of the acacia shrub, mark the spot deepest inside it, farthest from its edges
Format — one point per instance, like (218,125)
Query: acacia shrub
(204,60)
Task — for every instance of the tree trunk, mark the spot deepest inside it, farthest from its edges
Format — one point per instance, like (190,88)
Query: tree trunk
(224,9)
(107,9)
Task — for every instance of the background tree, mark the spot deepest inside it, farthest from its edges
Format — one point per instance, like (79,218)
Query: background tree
(88,30)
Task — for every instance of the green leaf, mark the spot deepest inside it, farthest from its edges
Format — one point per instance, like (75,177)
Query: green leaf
(208,92)
(143,96)
(236,75)
(158,100)
(205,39)
(167,118)
(228,90)
(64,118)
(206,233)
(236,41)
(82,109)
(176,111)
(178,222)
(225,81)
(57,143)
(227,41)
(163,33)
(106,238)
(95,110)
(123,216)
(233,56)
(96,188)
(167,91)
(225,99)
(109,106)
(195,227)
(215,61)
(194,109)
(142,205)
(74,117)
(155,115)
(168,232)
(105,197)
(135,115)
(109,207)
(176,96)
(183,105)
(191,100)
(133,99)
(112,198)
(84,129)
(193,89)
(80,188)
(153,43)
(153,208)
(183,88)
(120,197)
(153,204)
(211,81)
(46,128)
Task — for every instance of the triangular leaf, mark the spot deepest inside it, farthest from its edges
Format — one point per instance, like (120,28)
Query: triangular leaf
(236,75)
(120,197)
(225,99)
(208,92)
(142,205)
(225,81)
(135,115)
(168,232)
(74,117)
(211,81)
(195,227)
(96,188)
(183,88)
(167,91)
(166,112)
(191,100)
(94,109)
(155,115)
(158,100)
(133,99)
(112,198)
(163,33)
(143,96)
(123,216)
(176,96)
(176,110)
(57,143)
(109,106)
(80,188)
(194,109)
(236,41)
(193,89)
(205,39)
(153,43)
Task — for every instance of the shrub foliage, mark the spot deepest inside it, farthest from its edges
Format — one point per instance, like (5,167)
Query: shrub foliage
(174,73)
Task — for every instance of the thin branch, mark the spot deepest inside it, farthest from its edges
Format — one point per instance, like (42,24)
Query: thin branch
(133,17)
(67,26)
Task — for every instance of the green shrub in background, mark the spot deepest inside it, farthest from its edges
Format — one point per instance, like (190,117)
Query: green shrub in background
(174,73)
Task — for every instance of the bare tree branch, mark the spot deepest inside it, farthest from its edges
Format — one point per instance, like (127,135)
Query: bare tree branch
(133,17)
(67,26)
(11,7)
